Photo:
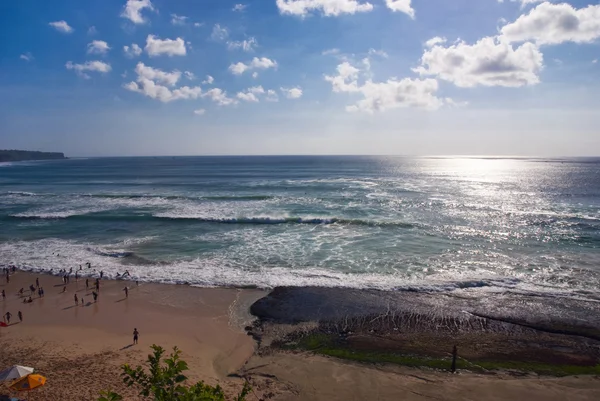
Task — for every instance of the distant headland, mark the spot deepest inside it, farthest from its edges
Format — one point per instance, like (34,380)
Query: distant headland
(22,155)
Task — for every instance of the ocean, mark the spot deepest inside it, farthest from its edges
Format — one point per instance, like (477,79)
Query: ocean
(447,224)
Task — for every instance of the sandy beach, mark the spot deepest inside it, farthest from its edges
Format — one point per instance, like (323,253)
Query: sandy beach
(80,348)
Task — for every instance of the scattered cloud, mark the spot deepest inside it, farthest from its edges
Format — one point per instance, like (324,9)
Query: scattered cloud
(292,93)
(198,24)
(246,45)
(247,97)
(133,10)
(157,84)
(92,30)
(26,56)
(91,66)
(271,96)
(595,61)
(200,112)
(402,6)
(219,96)
(437,40)
(524,3)
(489,62)
(255,75)
(169,47)
(219,33)
(189,75)
(132,51)
(551,24)
(98,47)
(379,53)
(329,8)
(330,52)
(178,19)
(239,7)
(208,81)
(382,96)
(262,63)
(61,26)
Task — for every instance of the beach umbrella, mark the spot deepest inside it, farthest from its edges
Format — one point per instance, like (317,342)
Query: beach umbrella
(15,372)
(28,382)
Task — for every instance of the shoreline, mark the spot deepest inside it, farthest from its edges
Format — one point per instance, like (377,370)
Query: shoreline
(80,348)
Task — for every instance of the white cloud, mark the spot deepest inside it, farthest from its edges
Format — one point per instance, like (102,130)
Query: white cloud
(382,96)
(219,96)
(97,47)
(330,52)
(61,26)
(246,45)
(189,75)
(239,7)
(208,81)
(437,40)
(327,7)
(379,53)
(402,6)
(155,74)
(255,75)
(524,3)
(133,10)
(219,33)
(132,51)
(95,66)
(549,24)
(272,96)
(200,112)
(178,19)
(292,93)
(247,97)
(169,47)
(257,63)
(26,56)
(155,83)
(594,61)
(257,90)
(92,30)
(198,24)
(489,62)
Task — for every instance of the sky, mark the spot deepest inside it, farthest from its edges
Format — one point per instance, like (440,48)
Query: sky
(213,77)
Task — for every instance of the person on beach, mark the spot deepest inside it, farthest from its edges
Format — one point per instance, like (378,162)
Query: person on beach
(3,295)
(39,291)
(136,334)
(87,283)
(37,282)
(101,273)
(77,276)
(64,289)
(89,265)
(7,317)
(20,316)
(76,299)
(95,295)
(126,289)
(82,301)
(42,292)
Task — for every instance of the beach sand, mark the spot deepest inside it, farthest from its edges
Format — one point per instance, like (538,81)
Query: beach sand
(80,348)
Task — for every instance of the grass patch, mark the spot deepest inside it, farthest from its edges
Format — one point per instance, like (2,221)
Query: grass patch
(329,345)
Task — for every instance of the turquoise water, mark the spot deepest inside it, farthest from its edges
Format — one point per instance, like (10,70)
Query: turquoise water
(430,224)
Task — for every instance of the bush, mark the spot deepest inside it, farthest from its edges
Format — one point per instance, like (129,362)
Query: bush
(165,381)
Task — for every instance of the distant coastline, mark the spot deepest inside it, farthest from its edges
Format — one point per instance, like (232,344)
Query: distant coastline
(24,155)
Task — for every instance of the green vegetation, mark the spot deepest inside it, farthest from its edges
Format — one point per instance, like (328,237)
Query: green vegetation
(324,344)
(165,381)
(20,155)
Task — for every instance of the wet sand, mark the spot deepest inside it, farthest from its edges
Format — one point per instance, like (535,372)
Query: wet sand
(80,348)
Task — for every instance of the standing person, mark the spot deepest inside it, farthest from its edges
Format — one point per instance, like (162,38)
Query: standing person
(95,295)
(3,295)
(76,300)
(20,316)
(126,289)
(82,301)
(87,283)
(136,334)
(7,316)
(77,276)
(37,282)
(101,273)
(41,291)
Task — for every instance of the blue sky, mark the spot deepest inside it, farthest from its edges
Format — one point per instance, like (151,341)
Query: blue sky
(413,77)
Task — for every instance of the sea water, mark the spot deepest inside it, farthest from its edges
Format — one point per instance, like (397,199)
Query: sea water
(425,224)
